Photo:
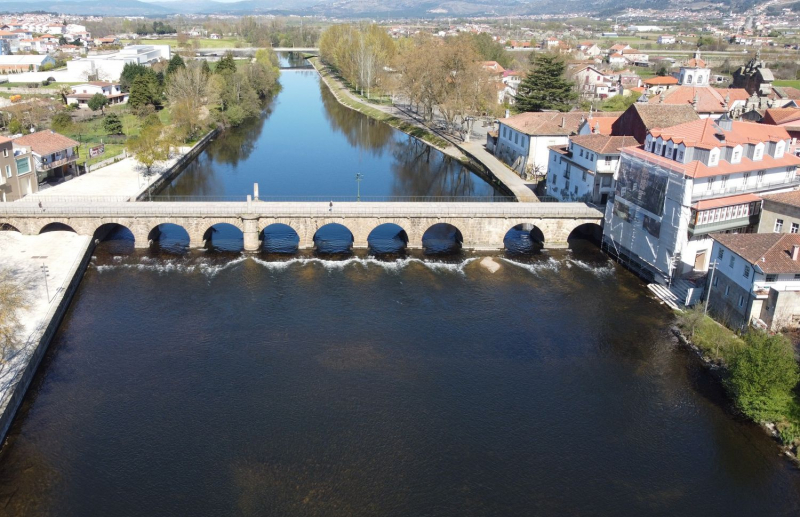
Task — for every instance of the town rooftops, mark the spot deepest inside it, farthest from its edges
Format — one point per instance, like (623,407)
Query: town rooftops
(4,140)
(603,144)
(661,81)
(785,198)
(779,116)
(771,252)
(45,142)
(552,122)
(708,204)
(706,134)
(709,100)
(696,62)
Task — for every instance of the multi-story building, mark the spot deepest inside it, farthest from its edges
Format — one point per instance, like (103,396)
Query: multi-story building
(108,67)
(689,181)
(16,178)
(780,213)
(53,155)
(585,168)
(756,279)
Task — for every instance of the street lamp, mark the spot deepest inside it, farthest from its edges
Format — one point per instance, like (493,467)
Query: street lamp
(713,267)
(359,177)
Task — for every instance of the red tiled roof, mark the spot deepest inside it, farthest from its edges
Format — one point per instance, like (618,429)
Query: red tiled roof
(604,144)
(552,122)
(709,100)
(778,116)
(602,125)
(706,134)
(46,142)
(657,81)
(785,198)
(726,201)
(771,252)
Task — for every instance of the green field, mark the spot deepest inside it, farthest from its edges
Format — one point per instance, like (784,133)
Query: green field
(793,84)
(51,86)
(203,43)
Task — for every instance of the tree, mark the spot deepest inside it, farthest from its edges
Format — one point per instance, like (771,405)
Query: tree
(61,122)
(763,375)
(206,69)
(62,40)
(545,87)
(226,64)
(488,48)
(144,91)
(358,53)
(13,299)
(97,101)
(175,63)
(112,124)
(63,91)
(149,147)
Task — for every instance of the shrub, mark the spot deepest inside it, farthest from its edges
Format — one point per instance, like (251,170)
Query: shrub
(61,121)
(112,124)
(763,376)
(45,83)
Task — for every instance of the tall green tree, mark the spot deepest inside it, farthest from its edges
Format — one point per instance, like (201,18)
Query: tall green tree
(545,87)
(112,124)
(129,74)
(205,68)
(97,101)
(144,90)
(175,64)
(226,64)
(763,375)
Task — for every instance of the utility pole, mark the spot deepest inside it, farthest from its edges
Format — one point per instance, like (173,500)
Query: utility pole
(713,267)
(359,177)
(45,270)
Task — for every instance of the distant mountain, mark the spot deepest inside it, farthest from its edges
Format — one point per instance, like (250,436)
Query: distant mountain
(342,8)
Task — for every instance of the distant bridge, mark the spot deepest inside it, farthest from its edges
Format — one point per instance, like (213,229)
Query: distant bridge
(480,225)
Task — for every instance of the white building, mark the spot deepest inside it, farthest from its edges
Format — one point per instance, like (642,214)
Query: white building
(666,39)
(689,181)
(585,169)
(756,280)
(108,66)
(523,140)
(81,93)
(694,72)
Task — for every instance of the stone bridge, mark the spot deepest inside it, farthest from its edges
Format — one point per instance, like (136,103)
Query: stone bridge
(482,226)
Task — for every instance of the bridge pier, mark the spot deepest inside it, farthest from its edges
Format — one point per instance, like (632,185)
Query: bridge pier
(250,231)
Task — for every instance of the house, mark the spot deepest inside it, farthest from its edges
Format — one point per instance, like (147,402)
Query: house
(83,92)
(104,42)
(635,57)
(16,180)
(585,168)
(589,49)
(666,39)
(706,101)
(215,36)
(54,155)
(640,118)
(56,28)
(756,280)
(694,72)
(24,63)
(689,181)
(787,118)
(70,49)
(618,48)
(514,44)
(617,60)
(551,43)
(596,125)
(494,69)
(109,66)
(593,83)
(657,85)
(780,213)
(523,140)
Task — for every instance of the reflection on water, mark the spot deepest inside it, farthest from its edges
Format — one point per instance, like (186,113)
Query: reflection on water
(218,384)
(307,144)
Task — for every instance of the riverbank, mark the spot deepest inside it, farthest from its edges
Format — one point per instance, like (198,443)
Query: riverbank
(66,255)
(472,153)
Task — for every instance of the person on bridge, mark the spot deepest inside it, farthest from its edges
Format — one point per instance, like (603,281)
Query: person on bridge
(330,207)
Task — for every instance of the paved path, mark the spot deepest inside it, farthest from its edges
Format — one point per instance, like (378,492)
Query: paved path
(125,180)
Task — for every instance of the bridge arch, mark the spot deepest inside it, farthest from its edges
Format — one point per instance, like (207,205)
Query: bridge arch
(279,238)
(442,238)
(523,238)
(5,227)
(333,238)
(387,238)
(591,232)
(224,237)
(170,237)
(56,227)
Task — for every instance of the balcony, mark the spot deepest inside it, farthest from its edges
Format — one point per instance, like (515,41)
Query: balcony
(46,166)
(721,226)
(744,189)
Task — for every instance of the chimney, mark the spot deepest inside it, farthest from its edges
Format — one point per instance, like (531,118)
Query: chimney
(507,113)
(563,121)
(795,252)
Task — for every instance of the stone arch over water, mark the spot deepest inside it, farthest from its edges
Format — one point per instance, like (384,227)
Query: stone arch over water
(442,238)
(523,238)
(279,238)
(333,238)
(56,227)
(387,238)
(224,237)
(170,237)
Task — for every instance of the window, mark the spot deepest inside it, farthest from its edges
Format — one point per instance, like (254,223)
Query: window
(716,281)
(8,171)
(778,225)
(747,271)
(741,300)
(760,176)
(5,153)
(555,179)
(757,153)
(745,177)
(710,183)
(608,161)
(581,153)
(732,262)
(688,79)
(772,278)
(516,138)
(797,276)
(727,289)
(795,227)
(723,182)
(576,189)
(680,156)
(735,157)
(566,185)
(584,176)
(720,254)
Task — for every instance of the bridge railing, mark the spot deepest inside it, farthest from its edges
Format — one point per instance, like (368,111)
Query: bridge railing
(243,209)
(162,198)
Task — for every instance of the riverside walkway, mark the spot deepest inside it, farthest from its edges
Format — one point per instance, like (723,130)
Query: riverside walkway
(482,225)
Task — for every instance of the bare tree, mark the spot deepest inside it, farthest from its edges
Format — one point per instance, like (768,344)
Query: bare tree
(13,299)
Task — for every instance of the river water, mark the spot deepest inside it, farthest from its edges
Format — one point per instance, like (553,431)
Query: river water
(212,383)
(306,144)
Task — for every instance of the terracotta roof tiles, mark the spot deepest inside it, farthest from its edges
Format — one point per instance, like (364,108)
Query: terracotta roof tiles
(771,252)
(46,142)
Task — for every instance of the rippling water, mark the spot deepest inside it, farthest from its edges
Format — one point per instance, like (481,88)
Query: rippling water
(214,383)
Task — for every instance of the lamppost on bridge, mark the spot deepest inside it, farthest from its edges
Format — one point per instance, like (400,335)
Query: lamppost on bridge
(359,177)
(46,270)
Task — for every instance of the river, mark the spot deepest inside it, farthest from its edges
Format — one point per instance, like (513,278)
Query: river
(307,145)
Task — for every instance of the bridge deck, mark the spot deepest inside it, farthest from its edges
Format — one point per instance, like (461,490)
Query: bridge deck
(294,209)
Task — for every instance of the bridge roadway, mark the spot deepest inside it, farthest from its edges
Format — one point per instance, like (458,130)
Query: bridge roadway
(482,225)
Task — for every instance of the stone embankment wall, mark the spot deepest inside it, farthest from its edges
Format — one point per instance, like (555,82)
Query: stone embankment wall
(179,165)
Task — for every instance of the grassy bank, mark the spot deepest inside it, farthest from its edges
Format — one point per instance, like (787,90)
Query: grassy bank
(341,94)
(202,42)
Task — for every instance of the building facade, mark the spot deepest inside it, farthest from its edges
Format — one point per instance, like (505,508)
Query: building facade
(53,155)
(17,178)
